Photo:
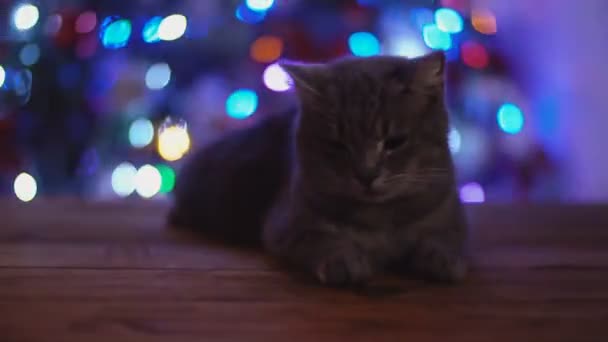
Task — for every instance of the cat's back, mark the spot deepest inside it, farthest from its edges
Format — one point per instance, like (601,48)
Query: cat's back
(226,188)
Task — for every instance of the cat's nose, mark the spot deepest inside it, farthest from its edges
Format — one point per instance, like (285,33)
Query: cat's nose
(366,176)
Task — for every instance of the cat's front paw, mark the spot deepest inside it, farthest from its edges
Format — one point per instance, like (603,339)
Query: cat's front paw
(347,266)
(435,261)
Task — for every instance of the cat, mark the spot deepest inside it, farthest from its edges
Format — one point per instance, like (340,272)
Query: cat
(358,180)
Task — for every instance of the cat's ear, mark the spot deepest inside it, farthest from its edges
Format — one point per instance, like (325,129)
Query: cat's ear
(429,70)
(308,78)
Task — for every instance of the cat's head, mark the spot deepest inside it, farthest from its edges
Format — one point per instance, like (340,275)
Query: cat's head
(372,129)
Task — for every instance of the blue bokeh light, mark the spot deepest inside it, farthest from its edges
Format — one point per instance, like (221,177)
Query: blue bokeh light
(421,17)
(259,5)
(249,16)
(510,118)
(242,103)
(29,54)
(435,38)
(448,20)
(115,32)
(363,44)
(141,133)
(150,31)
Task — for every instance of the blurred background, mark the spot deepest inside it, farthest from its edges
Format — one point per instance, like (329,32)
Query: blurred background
(103,99)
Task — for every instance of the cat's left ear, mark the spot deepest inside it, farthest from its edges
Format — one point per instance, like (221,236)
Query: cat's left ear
(307,77)
(429,70)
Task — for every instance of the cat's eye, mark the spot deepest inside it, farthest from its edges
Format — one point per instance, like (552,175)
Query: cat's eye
(395,142)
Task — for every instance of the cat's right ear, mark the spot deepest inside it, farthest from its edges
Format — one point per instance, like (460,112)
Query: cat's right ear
(307,78)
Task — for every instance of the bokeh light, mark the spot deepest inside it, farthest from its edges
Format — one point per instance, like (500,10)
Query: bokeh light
(86,22)
(29,54)
(25,17)
(123,179)
(448,20)
(158,76)
(407,47)
(474,55)
(276,79)
(436,39)
(167,175)
(141,133)
(472,193)
(259,5)
(266,49)
(115,32)
(150,31)
(173,141)
(454,140)
(484,21)
(363,44)
(510,118)
(249,16)
(242,103)
(147,181)
(172,27)
(53,24)
(422,17)
(2,76)
(25,187)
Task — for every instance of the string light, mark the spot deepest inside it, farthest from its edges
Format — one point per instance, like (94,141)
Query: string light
(86,22)
(173,140)
(407,47)
(25,17)
(421,17)
(147,181)
(172,27)
(472,193)
(454,140)
(2,76)
(266,49)
(53,24)
(484,21)
(510,118)
(167,175)
(448,20)
(158,76)
(150,31)
(141,133)
(123,179)
(242,103)
(363,44)
(29,54)
(25,187)
(249,16)
(436,39)
(276,79)
(259,5)
(474,55)
(115,32)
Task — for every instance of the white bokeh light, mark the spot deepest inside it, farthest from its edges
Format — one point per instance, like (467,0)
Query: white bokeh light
(25,187)
(25,17)
(172,27)
(158,76)
(276,79)
(148,181)
(2,75)
(123,179)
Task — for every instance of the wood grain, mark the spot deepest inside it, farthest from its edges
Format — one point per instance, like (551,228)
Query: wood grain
(79,271)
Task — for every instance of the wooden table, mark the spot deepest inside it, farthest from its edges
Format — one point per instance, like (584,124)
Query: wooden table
(76,271)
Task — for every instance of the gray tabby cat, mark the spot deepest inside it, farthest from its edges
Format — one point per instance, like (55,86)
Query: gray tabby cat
(358,180)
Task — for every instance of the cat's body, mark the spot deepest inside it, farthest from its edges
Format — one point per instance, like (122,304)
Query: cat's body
(359,179)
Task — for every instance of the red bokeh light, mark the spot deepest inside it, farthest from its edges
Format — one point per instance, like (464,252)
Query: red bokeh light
(474,55)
